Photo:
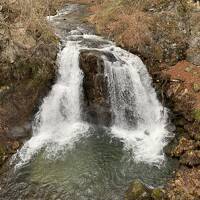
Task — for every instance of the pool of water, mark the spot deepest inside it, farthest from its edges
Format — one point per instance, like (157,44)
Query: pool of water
(97,167)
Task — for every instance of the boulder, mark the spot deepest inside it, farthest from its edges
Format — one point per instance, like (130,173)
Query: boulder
(138,191)
(96,108)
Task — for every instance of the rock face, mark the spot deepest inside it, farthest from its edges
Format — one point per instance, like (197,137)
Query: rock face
(96,106)
(27,71)
(178,90)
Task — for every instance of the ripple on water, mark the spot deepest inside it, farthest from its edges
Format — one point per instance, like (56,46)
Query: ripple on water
(98,167)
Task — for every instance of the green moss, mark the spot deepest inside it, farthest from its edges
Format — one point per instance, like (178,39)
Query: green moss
(196,114)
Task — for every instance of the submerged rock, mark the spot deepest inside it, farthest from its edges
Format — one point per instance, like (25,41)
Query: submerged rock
(139,191)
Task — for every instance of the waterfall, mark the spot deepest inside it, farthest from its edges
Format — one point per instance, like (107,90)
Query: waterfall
(58,121)
(138,117)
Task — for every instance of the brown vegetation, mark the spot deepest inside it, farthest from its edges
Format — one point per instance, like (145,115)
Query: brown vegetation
(29,15)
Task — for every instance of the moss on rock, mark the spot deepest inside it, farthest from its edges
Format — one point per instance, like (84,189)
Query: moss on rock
(138,191)
(158,194)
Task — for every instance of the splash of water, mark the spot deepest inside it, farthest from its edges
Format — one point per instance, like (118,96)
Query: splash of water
(140,120)
(58,121)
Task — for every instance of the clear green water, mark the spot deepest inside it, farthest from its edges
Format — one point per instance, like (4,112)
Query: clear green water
(96,168)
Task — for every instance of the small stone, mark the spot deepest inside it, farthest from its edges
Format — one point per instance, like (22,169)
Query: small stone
(196,87)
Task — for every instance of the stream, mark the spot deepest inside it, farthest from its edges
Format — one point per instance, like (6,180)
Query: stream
(68,158)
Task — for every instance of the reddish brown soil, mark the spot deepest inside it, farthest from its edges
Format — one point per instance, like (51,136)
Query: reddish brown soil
(188,74)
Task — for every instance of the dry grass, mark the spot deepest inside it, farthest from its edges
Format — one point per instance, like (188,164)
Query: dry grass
(30,15)
(125,21)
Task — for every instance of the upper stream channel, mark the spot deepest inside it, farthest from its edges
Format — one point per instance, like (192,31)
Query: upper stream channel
(69,156)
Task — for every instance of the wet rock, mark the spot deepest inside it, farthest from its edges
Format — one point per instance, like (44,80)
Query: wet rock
(158,194)
(179,122)
(169,149)
(138,191)
(96,99)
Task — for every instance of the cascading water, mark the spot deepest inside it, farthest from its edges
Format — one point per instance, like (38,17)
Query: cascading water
(140,120)
(68,158)
(58,122)
(138,117)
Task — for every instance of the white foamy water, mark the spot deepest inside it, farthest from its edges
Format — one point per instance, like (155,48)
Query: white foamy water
(139,119)
(58,122)
(63,12)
